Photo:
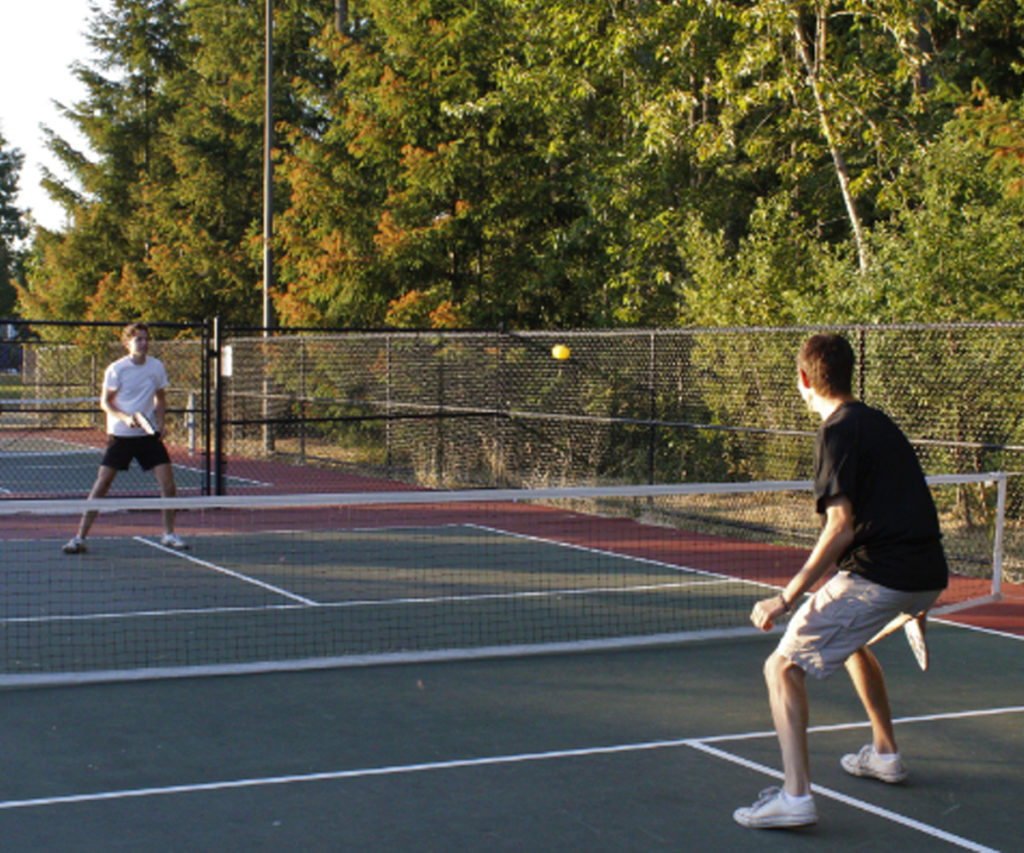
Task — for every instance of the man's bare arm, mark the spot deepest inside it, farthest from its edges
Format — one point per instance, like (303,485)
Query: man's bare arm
(834,539)
(108,402)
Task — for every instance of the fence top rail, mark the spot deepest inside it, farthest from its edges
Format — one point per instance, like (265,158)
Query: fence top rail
(98,324)
(686,331)
(528,333)
(350,330)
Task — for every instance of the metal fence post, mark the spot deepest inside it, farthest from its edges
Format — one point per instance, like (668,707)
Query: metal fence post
(387,405)
(218,408)
(205,389)
(997,538)
(652,410)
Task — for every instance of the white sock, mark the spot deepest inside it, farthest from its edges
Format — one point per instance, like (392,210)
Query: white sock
(794,800)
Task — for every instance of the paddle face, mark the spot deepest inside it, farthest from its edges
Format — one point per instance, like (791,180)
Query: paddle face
(143,421)
(913,627)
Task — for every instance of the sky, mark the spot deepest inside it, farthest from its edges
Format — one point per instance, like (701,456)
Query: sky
(39,39)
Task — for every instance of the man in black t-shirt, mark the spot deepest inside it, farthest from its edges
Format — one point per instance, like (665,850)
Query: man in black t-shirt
(861,454)
(882,532)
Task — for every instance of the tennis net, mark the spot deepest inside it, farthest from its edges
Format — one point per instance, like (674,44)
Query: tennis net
(310,581)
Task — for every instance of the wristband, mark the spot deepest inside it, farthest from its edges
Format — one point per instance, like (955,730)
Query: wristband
(785,604)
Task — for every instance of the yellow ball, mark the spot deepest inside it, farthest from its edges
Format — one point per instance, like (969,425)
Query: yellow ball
(560,351)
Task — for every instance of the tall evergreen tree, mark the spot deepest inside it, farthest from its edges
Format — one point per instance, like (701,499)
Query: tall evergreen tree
(416,194)
(165,213)
(93,268)
(13,227)
(566,162)
(205,224)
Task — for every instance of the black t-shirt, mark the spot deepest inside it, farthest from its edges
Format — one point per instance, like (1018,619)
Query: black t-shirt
(860,454)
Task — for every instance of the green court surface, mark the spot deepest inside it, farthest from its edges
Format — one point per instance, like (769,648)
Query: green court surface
(249,598)
(630,750)
(71,471)
(619,751)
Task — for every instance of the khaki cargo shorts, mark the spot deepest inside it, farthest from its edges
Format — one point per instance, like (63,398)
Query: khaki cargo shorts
(843,616)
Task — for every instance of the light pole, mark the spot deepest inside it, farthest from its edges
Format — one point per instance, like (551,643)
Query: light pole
(268,164)
(340,17)
(268,212)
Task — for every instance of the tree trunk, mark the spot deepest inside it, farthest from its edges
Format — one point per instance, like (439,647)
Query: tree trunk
(842,173)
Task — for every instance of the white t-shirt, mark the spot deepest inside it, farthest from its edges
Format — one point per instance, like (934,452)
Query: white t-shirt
(135,385)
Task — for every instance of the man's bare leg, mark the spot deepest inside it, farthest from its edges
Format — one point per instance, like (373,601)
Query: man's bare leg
(869,682)
(104,480)
(787,696)
(165,478)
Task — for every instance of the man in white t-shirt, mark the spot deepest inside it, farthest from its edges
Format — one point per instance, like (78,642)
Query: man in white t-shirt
(133,398)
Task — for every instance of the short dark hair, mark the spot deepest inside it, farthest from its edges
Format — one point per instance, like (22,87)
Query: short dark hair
(132,329)
(827,359)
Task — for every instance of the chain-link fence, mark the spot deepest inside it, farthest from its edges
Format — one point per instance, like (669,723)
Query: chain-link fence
(496,408)
(485,409)
(341,411)
(51,426)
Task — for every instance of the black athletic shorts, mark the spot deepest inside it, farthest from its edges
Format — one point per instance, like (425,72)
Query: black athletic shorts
(121,450)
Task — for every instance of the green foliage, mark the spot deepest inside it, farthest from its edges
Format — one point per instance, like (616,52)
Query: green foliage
(93,269)
(482,162)
(448,193)
(166,215)
(953,252)
(13,228)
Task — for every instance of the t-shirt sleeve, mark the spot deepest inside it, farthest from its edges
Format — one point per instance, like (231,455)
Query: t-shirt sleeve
(111,378)
(835,470)
(161,379)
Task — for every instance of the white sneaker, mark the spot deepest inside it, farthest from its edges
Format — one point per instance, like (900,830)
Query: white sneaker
(869,763)
(75,545)
(774,809)
(173,540)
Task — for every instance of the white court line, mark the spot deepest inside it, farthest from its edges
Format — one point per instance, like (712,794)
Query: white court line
(466,598)
(877,811)
(715,577)
(839,727)
(445,599)
(700,579)
(700,744)
(719,576)
(1006,635)
(226,571)
(362,773)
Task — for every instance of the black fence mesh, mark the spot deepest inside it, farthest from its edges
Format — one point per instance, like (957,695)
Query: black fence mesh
(305,411)
(51,427)
(456,409)
(447,409)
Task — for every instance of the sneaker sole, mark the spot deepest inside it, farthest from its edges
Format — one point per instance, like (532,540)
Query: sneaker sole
(773,822)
